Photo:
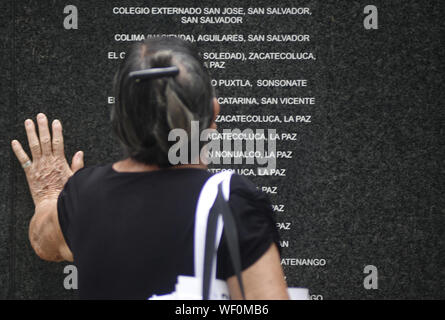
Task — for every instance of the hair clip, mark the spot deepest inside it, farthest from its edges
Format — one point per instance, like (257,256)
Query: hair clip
(153,73)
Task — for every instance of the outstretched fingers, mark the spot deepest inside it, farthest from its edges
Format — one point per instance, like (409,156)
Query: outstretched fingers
(58,150)
(77,162)
(33,140)
(44,135)
(21,155)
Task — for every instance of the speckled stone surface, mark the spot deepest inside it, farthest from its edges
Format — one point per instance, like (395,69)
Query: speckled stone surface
(6,171)
(365,185)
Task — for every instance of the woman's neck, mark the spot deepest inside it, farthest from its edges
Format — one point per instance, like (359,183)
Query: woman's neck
(131,165)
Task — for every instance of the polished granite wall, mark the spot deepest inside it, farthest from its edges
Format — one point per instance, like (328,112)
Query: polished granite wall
(364,186)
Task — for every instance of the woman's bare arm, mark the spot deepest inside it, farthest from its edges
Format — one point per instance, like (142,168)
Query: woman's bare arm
(46,174)
(264,280)
(45,235)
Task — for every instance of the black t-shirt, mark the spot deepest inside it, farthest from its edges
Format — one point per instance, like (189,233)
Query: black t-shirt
(131,233)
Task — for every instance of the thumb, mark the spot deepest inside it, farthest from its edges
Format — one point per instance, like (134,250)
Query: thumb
(77,162)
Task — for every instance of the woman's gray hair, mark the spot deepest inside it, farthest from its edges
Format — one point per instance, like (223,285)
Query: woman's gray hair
(145,111)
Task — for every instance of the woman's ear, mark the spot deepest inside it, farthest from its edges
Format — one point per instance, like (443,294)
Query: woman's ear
(216,109)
